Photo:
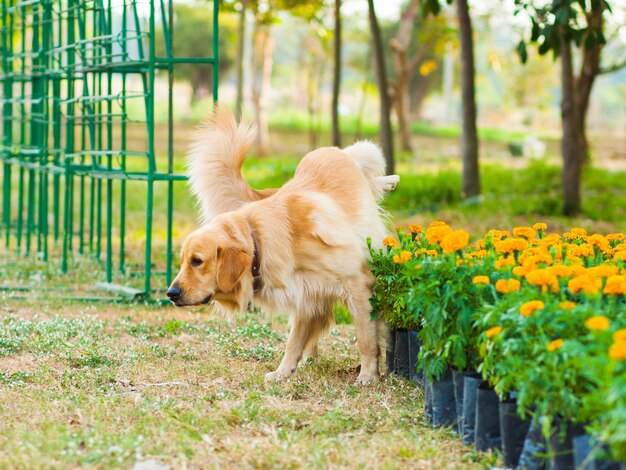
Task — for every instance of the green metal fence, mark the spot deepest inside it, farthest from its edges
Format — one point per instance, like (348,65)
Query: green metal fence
(78,98)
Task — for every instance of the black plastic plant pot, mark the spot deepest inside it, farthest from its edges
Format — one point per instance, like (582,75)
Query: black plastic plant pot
(457,378)
(391,350)
(487,419)
(534,448)
(561,449)
(471,381)
(442,398)
(428,402)
(406,349)
(513,430)
(588,455)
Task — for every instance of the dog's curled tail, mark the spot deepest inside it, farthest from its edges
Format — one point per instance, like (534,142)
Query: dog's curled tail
(214,164)
(371,160)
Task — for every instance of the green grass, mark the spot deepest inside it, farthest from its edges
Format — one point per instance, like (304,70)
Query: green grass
(109,386)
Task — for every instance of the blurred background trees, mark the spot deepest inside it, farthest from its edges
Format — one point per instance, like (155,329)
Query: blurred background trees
(431,80)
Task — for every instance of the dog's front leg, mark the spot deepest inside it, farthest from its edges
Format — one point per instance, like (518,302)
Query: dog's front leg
(293,352)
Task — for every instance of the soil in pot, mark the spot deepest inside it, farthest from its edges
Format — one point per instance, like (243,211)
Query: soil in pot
(471,381)
(487,419)
(513,430)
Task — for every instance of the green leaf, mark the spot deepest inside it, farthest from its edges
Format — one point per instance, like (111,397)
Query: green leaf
(522,52)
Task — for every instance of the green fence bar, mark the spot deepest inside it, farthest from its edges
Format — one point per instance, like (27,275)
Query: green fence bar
(77,76)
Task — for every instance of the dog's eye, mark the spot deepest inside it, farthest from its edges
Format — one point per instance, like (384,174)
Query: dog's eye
(195,262)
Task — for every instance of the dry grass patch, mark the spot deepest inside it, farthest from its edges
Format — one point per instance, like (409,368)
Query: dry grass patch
(105,386)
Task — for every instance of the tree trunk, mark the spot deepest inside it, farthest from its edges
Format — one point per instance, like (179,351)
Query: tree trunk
(262,71)
(469,135)
(590,68)
(571,145)
(400,86)
(337,76)
(386,137)
(240,52)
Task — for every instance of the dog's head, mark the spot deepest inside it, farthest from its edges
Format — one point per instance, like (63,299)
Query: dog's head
(215,266)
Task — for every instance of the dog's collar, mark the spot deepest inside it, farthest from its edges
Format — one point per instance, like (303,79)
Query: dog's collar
(257,282)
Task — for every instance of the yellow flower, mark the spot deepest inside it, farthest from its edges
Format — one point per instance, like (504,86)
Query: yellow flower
(504,286)
(455,241)
(540,226)
(491,332)
(567,305)
(436,233)
(396,259)
(415,228)
(510,245)
(603,270)
(620,247)
(554,345)
(598,323)
(529,308)
(617,351)
(481,280)
(498,234)
(525,232)
(615,285)
(560,270)
(619,335)
(391,242)
(520,271)
(405,256)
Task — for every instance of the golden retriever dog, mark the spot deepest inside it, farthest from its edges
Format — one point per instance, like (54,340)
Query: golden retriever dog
(296,249)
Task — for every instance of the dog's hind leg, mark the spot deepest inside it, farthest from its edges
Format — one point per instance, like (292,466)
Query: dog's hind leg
(357,297)
(320,323)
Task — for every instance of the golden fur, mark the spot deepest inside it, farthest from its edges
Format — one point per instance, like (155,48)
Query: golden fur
(309,237)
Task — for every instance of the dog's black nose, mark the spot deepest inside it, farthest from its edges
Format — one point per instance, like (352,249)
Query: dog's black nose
(174,293)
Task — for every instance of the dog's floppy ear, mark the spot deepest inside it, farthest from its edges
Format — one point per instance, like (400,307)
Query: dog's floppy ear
(231,263)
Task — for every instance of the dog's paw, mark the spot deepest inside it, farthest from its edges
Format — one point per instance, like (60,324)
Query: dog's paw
(276,376)
(388,183)
(366,379)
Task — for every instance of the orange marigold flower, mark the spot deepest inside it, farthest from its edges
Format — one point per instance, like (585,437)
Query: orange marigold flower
(580,250)
(598,323)
(599,240)
(504,286)
(603,270)
(579,231)
(567,305)
(554,345)
(498,234)
(540,226)
(544,279)
(405,256)
(620,256)
(620,247)
(481,280)
(520,271)
(617,351)
(399,228)
(436,233)
(529,308)
(415,228)
(505,261)
(614,237)
(510,245)
(455,241)
(396,259)
(615,285)
(437,223)
(560,270)
(391,242)
(584,283)
(491,332)
(619,335)
(525,232)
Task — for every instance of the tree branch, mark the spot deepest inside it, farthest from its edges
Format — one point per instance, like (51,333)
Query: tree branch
(612,68)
